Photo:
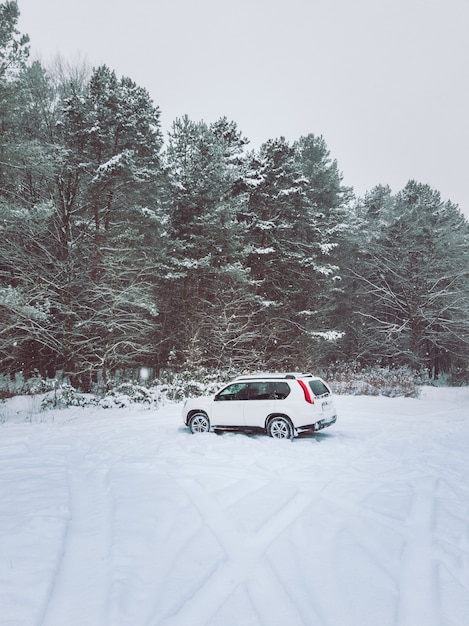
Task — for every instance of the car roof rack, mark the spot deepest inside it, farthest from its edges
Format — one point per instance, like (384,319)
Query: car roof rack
(274,375)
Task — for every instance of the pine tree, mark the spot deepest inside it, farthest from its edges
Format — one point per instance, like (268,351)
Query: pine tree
(82,232)
(26,333)
(293,220)
(205,264)
(415,281)
(14,49)
(111,189)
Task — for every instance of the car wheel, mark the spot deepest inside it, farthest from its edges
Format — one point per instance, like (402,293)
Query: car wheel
(279,428)
(199,423)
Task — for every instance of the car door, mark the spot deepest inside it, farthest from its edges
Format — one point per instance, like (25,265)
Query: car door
(228,406)
(260,403)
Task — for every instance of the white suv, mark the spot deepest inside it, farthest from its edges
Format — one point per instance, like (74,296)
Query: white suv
(283,405)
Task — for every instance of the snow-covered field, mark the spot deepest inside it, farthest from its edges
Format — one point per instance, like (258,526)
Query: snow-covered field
(121,517)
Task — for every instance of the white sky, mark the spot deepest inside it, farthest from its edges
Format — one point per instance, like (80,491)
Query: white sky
(386,82)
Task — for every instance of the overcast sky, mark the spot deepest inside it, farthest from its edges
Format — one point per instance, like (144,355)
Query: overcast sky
(386,82)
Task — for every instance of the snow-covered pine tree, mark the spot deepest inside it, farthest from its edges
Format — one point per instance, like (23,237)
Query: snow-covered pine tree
(293,226)
(26,328)
(330,225)
(205,278)
(14,49)
(414,277)
(122,142)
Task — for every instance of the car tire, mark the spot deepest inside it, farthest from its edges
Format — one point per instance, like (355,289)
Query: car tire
(279,428)
(199,423)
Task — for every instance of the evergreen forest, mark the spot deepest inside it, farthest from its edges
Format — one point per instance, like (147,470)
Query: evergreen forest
(121,248)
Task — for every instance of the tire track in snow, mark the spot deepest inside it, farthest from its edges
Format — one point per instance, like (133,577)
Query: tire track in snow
(80,588)
(245,551)
(244,556)
(419,596)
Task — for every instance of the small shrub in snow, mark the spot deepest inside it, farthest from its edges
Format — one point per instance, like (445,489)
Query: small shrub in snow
(17,385)
(351,379)
(130,393)
(192,383)
(64,396)
(126,394)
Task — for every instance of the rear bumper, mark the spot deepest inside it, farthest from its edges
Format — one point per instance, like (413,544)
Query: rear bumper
(320,425)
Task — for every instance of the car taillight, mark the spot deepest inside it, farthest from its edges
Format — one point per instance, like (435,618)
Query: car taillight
(308,397)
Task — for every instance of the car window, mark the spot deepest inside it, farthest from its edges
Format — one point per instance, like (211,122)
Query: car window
(280,390)
(235,391)
(258,391)
(262,390)
(318,387)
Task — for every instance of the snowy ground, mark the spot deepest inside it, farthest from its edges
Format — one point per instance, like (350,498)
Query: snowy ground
(121,517)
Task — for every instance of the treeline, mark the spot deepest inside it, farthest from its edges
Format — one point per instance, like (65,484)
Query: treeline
(119,249)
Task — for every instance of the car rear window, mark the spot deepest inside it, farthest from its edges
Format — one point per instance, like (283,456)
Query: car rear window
(318,387)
